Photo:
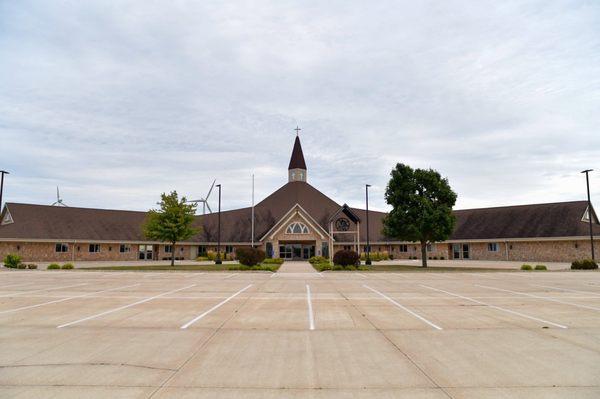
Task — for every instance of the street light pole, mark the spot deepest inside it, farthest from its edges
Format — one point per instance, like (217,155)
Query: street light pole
(218,261)
(368,261)
(587,180)
(2,172)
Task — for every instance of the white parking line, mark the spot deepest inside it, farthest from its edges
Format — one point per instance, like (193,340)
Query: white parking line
(567,289)
(195,319)
(123,307)
(404,308)
(496,307)
(44,289)
(64,299)
(540,297)
(311,318)
(230,276)
(362,275)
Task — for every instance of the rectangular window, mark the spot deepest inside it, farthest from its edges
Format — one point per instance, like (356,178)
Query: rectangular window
(403,248)
(430,247)
(62,247)
(124,248)
(168,249)
(202,250)
(493,247)
(367,248)
(228,249)
(94,248)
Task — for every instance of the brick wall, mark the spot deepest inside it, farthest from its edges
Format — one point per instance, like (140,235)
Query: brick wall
(45,252)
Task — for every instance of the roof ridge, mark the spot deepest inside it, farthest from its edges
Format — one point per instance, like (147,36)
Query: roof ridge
(521,205)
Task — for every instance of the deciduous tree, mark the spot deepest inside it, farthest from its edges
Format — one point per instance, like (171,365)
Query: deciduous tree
(422,202)
(172,222)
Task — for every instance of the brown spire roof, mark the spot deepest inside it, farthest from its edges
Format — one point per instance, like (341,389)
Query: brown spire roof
(297,160)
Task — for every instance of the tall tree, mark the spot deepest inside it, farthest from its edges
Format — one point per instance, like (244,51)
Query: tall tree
(422,204)
(172,222)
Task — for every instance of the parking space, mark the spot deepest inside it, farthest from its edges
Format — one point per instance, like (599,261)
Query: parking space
(347,334)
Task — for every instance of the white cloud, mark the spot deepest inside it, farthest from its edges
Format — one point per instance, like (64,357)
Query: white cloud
(118,102)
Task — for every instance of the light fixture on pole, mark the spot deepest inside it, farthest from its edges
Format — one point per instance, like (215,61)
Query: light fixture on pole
(218,260)
(2,172)
(587,180)
(368,260)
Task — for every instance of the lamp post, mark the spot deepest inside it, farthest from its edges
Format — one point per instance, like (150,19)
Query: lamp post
(368,261)
(587,180)
(218,260)
(2,172)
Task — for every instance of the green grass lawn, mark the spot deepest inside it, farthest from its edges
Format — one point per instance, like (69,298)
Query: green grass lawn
(418,268)
(190,267)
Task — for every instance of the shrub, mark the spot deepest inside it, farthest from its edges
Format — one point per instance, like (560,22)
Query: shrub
(345,258)
(32,266)
(211,255)
(526,267)
(12,261)
(250,256)
(67,266)
(317,259)
(337,267)
(53,266)
(202,258)
(541,267)
(322,266)
(385,255)
(273,261)
(21,266)
(584,264)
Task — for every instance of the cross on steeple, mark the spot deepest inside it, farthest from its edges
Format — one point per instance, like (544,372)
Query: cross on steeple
(297,129)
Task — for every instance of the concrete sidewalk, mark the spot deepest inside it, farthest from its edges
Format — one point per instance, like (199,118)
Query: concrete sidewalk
(296,267)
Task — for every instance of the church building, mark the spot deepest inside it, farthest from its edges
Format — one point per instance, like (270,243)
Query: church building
(295,222)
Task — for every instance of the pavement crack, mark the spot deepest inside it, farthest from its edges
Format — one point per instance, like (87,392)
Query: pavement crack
(85,364)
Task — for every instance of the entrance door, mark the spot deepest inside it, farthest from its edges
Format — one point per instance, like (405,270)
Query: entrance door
(460,251)
(145,252)
(296,251)
(308,251)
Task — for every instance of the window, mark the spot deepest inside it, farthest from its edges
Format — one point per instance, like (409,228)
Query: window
(325,249)
(202,250)
(367,248)
(62,247)
(493,247)
(168,249)
(229,249)
(94,248)
(7,219)
(296,228)
(124,248)
(430,247)
(403,248)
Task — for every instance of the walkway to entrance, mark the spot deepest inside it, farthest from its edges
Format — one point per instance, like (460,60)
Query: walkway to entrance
(296,267)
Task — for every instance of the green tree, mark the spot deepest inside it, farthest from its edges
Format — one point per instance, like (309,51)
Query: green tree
(422,204)
(172,222)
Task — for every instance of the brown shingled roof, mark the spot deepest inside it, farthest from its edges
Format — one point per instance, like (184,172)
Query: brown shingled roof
(561,219)
(297,159)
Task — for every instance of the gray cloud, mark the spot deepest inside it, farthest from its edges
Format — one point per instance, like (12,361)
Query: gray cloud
(117,102)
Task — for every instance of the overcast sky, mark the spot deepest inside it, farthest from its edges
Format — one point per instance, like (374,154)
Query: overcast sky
(117,101)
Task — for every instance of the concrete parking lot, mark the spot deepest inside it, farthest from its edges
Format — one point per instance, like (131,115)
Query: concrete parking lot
(299,334)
